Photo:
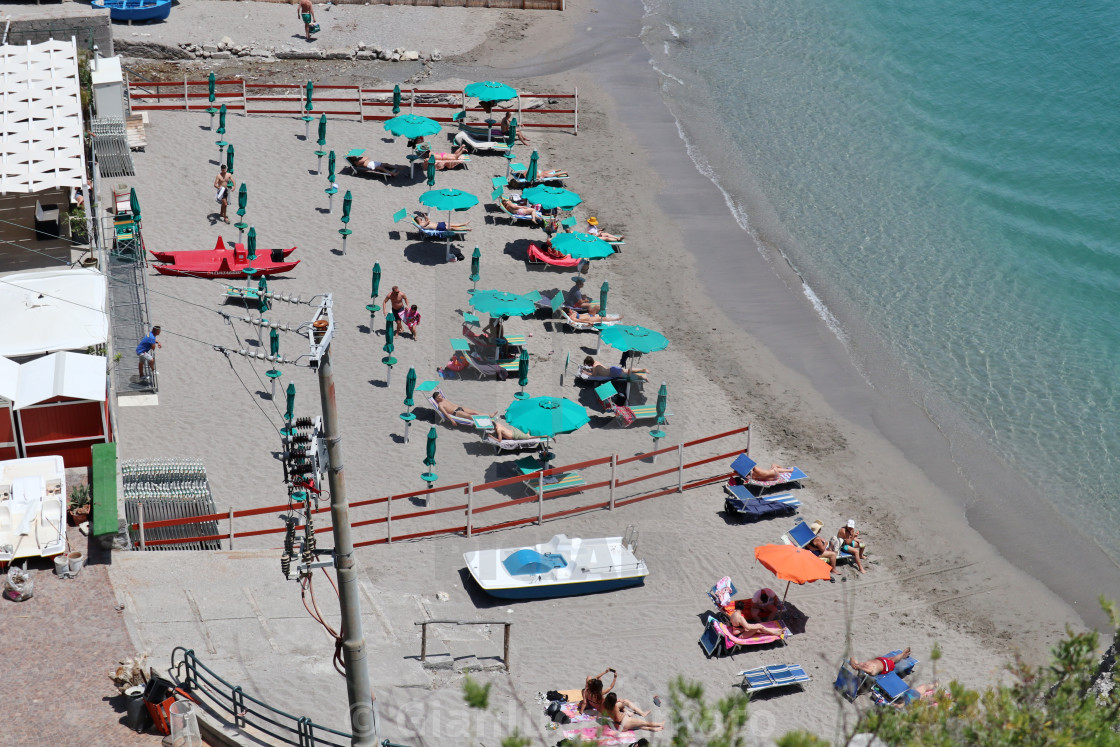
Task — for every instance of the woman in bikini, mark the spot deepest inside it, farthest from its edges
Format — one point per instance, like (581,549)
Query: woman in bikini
(776,472)
(575,316)
(739,626)
(617,710)
(446,161)
(527,210)
(591,698)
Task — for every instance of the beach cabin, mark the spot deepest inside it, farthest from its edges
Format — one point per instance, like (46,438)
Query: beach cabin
(42,157)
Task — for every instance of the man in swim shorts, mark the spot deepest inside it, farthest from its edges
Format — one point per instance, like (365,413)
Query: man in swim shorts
(307,13)
(880,664)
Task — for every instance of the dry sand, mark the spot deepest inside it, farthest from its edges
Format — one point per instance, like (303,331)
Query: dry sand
(935,579)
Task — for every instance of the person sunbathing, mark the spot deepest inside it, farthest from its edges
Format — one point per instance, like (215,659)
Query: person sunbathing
(452,410)
(880,664)
(576,316)
(851,543)
(513,208)
(619,712)
(506,432)
(446,161)
(596,230)
(823,549)
(776,472)
(363,163)
(591,698)
(505,129)
(614,372)
(741,627)
(542,175)
(425,222)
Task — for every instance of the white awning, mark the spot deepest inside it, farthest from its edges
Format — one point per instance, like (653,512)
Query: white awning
(41,118)
(9,379)
(44,311)
(71,375)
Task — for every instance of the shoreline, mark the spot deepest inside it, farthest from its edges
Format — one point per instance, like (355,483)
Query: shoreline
(1008,513)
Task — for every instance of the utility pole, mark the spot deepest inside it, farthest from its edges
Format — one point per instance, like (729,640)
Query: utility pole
(354,653)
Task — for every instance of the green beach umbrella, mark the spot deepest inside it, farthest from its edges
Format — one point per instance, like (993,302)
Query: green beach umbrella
(210,87)
(242,198)
(322,130)
(511,139)
(308,105)
(372,306)
(430,459)
(396,99)
(330,168)
(546,416)
(229,158)
(432,170)
(347,200)
(662,403)
(390,331)
(262,285)
(448,199)
(412,126)
(523,373)
(134,204)
(252,242)
(476,259)
(263,305)
(490,90)
(273,342)
(551,197)
(634,338)
(222,120)
(581,245)
(531,172)
(502,304)
(291,395)
(409,387)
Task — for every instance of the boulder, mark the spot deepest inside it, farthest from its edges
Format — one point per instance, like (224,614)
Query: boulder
(225,43)
(299,54)
(151,50)
(222,54)
(209,47)
(409,56)
(436,55)
(385,54)
(365,54)
(338,54)
(395,57)
(361,46)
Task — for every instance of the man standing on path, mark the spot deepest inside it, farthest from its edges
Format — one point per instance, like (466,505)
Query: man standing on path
(398,302)
(146,351)
(307,13)
(223,183)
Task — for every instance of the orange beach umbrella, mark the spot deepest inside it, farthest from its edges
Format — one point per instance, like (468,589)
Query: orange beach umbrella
(792,564)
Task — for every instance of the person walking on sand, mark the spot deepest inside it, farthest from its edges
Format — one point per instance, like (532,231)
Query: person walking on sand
(307,14)
(398,302)
(146,351)
(411,319)
(223,183)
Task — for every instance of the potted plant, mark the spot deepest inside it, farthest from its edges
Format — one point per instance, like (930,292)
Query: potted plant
(80,505)
(78,233)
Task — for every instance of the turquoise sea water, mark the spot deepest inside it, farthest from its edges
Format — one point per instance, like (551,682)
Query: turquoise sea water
(946,177)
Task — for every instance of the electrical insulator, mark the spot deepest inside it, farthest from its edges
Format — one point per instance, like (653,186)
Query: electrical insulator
(304,423)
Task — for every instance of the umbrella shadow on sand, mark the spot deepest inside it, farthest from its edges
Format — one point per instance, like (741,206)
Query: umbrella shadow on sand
(429,253)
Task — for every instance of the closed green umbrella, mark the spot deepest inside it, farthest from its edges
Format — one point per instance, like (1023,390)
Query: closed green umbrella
(331,189)
(531,173)
(229,158)
(222,120)
(308,104)
(476,259)
(273,374)
(263,305)
(502,304)
(396,99)
(252,243)
(604,289)
(291,394)
(523,373)
(322,130)
(134,204)
(490,91)
(390,331)
(430,460)
(412,126)
(432,170)
(546,416)
(330,167)
(242,201)
(273,342)
(347,200)
(581,245)
(210,90)
(372,306)
(262,285)
(409,389)
(551,197)
(662,403)
(511,139)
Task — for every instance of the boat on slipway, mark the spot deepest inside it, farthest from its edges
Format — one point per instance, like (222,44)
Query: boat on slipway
(135,10)
(561,567)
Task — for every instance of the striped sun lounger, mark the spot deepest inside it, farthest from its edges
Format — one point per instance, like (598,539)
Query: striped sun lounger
(778,675)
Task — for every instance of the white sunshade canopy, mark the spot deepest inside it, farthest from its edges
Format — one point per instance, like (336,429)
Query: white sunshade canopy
(9,379)
(44,311)
(71,375)
(41,118)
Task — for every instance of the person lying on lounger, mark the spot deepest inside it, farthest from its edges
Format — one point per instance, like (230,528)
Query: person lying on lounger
(614,372)
(450,409)
(576,316)
(425,222)
(446,161)
(595,230)
(878,665)
(776,472)
(740,627)
(542,174)
(364,163)
(626,716)
(527,210)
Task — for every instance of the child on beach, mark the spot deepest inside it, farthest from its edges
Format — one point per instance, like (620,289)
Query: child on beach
(411,319)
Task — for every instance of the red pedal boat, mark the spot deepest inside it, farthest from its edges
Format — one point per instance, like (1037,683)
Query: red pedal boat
(223,262)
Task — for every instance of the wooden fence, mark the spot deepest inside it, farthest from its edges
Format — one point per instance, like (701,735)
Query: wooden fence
(475,503)
(533,110)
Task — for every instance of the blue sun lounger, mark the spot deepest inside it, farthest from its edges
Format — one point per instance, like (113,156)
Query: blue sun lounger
(849,682)
(801,535)
(777,675)
(754,509)
(743,465)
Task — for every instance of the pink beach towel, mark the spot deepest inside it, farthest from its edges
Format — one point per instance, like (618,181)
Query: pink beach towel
(601,735)
(731,641)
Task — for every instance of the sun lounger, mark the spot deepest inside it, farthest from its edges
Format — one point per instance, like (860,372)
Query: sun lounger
(485,368)
(464,137)
(621,414)
(584,374)
(453,419)
(567,481)
(517,177)
(531,219)
(434,234)
(743,465)
(801,535)
(359,170)
(850,682)
(537,256)
(778,675)
(508,444)
(718,638)
(754,509)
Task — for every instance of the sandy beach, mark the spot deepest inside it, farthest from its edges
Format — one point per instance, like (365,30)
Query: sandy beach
(746,347)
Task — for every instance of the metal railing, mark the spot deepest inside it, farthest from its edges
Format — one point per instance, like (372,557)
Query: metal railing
(424,635)
(246,710)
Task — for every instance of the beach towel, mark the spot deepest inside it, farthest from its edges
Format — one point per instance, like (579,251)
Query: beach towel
(601,735)
(722,591)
